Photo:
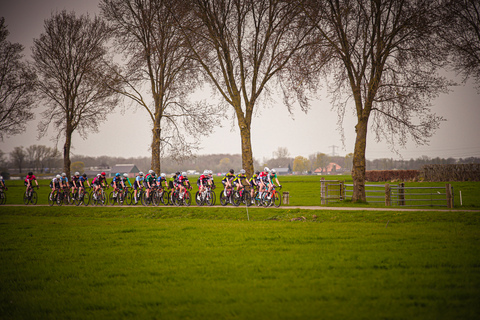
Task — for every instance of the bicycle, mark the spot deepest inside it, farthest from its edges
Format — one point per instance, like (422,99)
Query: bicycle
(140,197)
(3,196)
(99,197)
(272,198)
(242,196)
(229,198)
(206,197)
(30,196)
(180,198)
(160,195)
(82,197)
(116,196)
(55,197)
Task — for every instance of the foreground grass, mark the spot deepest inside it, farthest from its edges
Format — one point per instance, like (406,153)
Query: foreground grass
(196,263)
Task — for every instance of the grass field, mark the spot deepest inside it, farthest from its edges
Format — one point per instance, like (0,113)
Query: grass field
(304,191)
(211,263)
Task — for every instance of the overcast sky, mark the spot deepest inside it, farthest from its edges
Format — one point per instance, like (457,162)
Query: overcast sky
(302,134)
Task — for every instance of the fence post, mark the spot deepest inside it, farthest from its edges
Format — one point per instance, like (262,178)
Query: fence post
(401,194)
(448,191)
(342,190)
(286,197)
(387,195)
(322,191)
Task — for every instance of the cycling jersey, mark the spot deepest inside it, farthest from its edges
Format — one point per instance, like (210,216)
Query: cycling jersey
(55,183)
(161,179)
(228,177)
(253,181)
(29,179)
(239,178)
(82,181)
(203,179)
(126,182)
(183,180)
(138,182)
(149,179)
(271,177)
(74,181)
(98,180)
(263,176)
(117,181)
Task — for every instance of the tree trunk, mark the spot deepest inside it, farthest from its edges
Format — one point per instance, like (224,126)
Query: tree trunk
(155,163)
(358,171)
(66,152)
(247,155)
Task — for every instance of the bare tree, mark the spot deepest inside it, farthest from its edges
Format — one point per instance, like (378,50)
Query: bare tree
(16,87)
(384,58)
(39,155)
(243,45)
(72,78)
(17,156)
(158,58)
(460,29)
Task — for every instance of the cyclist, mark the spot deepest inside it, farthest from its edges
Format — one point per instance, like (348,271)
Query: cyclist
(239,178)
(82,180)
(28,181)
(126,181)
(183,182)
(203,181)
(2,183)
(272,175)
(117,184)
(74,183)
(149,182)
(254,184)
(137,184)
(99,181)
(161,180)
(227,180)
(263,180)
(55,184)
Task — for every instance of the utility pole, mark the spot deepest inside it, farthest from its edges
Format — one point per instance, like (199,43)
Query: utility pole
(333,150)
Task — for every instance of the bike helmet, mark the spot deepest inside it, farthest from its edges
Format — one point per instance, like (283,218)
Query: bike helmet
(242,171)
(273,171)
(1,178)
(117,174)
(205,171)
(140,173)
(125,175)
(163,175)
(266,169)
(77,173)
(150,171)
(59,176)
(184,174)
(64,174)
(103,174)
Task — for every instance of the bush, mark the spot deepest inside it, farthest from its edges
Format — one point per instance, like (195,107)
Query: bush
(451,172)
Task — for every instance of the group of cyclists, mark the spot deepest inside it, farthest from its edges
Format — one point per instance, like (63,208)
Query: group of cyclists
(261,181)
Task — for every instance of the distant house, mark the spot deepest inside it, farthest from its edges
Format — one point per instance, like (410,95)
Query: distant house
(131,169)
(283,171)
(332,168)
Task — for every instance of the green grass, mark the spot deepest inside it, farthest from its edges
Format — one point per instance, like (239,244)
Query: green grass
(211,263)
(304,191)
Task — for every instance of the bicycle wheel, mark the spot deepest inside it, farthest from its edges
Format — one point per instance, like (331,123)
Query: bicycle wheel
(223,198)
(165,197)
(267,199)
(112,198)
(86,198)
(277,199)
(127,198)
(51,198)
(236,198)
(210,198)
(102,198)
(3,198)
(198,198)
(258,199)
(79,198)
(26,199)
(143,198)
(71,197)
(34,197)
(187,198)
(176,198)
(247,199)
(59,198)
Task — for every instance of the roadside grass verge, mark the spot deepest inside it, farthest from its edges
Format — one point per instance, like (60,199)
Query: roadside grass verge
(211,263)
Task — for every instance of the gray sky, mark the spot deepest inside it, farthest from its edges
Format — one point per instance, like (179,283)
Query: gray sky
(303,134)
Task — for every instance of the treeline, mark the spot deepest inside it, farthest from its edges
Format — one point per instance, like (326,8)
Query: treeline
(42,159)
